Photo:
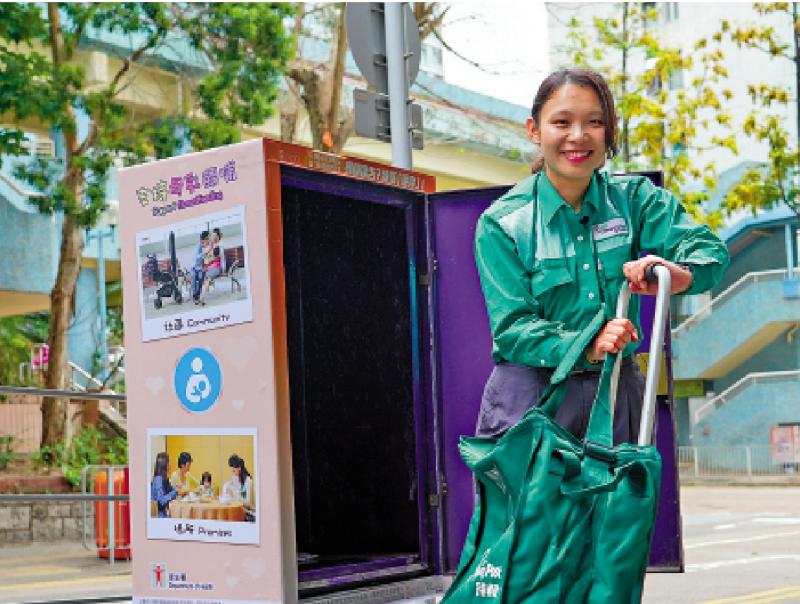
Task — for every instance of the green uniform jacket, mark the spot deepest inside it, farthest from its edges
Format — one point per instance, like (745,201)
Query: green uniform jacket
(536,258)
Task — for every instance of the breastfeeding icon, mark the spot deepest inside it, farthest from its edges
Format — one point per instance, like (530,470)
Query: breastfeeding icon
(198,380)
(198,387)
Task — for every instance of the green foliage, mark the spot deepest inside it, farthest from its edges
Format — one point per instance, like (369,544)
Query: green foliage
(775,181)
(247,44)
(17,335)
(243,45)
(660,122)
(6,450)
(88,447)
(230,57)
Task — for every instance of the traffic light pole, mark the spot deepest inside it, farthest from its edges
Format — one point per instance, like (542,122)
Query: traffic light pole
(398,84)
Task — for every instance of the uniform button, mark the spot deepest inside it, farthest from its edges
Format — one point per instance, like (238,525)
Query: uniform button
(580,237)
(541,361)
(586,267)
(591,295)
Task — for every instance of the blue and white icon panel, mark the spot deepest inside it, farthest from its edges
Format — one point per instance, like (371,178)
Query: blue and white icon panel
(198,380)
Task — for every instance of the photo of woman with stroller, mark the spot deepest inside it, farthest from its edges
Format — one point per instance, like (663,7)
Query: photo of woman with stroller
(194,265)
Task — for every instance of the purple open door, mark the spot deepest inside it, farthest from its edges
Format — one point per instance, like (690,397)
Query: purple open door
(462,352)
(461,362)
(666,550)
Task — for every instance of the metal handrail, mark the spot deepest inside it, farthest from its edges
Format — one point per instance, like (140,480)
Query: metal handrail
(754,276)
(10,182)
(39,497)
(740,384)
(70,394)
(82,372)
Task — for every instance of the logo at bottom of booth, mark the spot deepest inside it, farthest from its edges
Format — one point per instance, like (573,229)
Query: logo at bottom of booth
(158,575)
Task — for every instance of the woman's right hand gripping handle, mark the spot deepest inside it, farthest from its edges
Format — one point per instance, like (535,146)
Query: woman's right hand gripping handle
(617,333)
(613,337)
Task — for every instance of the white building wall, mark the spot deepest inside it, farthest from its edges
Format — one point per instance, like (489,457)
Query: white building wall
(681,25)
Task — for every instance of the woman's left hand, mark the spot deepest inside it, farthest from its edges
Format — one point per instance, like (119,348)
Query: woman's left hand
(635,269)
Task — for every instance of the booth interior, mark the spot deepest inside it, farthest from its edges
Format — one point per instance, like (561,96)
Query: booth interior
(351,338)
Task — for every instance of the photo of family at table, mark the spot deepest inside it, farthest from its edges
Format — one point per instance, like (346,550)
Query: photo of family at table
(225,489)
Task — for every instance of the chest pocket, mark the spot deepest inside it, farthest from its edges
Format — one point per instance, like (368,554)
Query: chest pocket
(549,275)
(612,261)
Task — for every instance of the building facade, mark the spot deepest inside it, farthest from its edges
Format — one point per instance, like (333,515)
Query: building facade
(471,140)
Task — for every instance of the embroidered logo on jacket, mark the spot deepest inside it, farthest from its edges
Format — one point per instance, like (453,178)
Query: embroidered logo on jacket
(610,228)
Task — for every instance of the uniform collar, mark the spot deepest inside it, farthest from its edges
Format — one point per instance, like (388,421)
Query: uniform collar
(550,200)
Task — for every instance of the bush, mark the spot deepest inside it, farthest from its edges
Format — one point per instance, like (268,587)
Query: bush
(6,450)
(88,447)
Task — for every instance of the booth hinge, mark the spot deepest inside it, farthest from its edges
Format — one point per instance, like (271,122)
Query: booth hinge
(435,499)
(425,278)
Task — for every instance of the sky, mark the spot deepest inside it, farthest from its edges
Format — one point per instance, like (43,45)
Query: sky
(509,39)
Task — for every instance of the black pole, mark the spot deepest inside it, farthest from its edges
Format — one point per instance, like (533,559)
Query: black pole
(173,256)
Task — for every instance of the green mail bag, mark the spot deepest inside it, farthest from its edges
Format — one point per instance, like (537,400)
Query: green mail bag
(557,519)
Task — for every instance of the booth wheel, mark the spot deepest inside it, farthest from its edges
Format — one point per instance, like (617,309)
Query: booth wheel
(157,302)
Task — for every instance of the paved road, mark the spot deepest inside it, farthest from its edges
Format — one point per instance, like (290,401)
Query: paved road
(742,546)
(59,571)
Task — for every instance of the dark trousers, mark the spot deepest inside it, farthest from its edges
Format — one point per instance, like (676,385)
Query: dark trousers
(513,389)
(197,282)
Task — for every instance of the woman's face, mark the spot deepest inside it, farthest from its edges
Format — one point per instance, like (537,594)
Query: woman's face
(571,133)
(236,470)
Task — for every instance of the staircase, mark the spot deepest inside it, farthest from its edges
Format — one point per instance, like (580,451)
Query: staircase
(737,324)
(744,413)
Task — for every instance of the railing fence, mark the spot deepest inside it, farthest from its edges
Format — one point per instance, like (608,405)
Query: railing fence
(743,463)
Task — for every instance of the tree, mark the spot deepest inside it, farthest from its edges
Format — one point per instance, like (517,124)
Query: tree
(245,49)
(774,181)
(318,86)
(662,126)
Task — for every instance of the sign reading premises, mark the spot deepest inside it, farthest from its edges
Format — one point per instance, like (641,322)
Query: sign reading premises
(194,243)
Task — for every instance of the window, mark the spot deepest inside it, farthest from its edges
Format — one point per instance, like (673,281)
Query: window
(430,60)
(676,79)
(671,11)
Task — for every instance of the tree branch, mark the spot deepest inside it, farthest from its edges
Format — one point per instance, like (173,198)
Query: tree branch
(126,64)
(337,73)
(81,25)
(449,48)
(308,80)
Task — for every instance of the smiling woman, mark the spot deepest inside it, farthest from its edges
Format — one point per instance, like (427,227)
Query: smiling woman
(553,255)
(558,247)
(573,122)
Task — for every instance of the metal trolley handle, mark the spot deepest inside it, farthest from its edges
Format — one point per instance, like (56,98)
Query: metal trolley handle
(660,273)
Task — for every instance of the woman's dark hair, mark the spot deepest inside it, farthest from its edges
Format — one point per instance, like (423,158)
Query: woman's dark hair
(160,469)
(218,232)
(234,461)
(204,477)
(580,77)
(183,459)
